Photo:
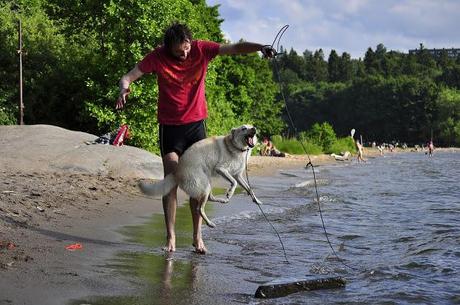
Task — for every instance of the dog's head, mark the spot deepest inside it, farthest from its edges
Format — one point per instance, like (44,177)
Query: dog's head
(244,137)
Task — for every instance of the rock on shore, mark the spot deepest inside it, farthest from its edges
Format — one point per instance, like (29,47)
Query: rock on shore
(46,148)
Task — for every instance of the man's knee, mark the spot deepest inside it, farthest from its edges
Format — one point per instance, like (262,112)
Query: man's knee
(170,162)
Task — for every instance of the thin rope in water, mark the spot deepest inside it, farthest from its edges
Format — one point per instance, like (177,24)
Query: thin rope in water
(263,213)
(277,41)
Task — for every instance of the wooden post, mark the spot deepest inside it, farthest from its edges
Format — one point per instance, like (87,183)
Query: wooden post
(21,102)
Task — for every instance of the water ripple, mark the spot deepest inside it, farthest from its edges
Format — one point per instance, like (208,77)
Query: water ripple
(394,220)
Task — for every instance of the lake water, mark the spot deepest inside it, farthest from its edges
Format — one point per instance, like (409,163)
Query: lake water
(394,220)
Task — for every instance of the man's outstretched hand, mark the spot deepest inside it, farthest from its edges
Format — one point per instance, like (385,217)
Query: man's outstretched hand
(121,101)
(268,51)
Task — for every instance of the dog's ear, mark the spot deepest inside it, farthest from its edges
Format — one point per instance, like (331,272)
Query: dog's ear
(233,132)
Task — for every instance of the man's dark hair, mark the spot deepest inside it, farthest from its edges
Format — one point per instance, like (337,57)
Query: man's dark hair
(176,34)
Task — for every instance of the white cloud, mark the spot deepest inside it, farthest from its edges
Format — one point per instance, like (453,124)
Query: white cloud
(346,26)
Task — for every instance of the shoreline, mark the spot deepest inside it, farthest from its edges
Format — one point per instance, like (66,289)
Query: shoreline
(34,200)
(86,209)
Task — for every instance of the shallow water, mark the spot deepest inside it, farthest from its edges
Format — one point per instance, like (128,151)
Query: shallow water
(393,220)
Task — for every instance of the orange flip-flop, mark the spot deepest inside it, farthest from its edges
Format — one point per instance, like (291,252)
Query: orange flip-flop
(74,247)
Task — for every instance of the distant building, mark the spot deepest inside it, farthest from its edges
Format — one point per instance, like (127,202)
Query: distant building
(452,53)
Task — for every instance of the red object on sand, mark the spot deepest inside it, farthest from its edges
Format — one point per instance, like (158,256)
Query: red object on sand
(122,134)
(74,247)
(7,245)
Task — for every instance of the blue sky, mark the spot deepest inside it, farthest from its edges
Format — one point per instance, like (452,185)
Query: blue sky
(344,25)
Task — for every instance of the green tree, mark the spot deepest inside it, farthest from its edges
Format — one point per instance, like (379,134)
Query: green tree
(248,84)
(444,61)
(409,65)
(346,68)
(290,66)
(294,63)
(48,61)
(319,66)
(370,62)
(427,64)
(8,65)
(451,76)
(117,34)
(323,134)
(447,125)
(333,67)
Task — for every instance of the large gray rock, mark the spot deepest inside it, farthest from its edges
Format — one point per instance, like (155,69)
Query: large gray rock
(49,148)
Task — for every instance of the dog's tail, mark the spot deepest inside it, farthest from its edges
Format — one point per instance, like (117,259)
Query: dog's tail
(159,188)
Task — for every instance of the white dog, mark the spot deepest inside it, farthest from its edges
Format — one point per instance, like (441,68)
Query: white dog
(223,155)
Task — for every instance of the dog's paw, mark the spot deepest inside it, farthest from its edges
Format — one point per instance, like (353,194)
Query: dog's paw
(229,194)
(257,201)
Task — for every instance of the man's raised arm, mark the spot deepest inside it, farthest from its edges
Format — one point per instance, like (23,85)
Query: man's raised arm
(245,48)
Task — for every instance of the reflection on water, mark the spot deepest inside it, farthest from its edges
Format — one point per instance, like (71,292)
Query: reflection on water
(394,219)
(164,279)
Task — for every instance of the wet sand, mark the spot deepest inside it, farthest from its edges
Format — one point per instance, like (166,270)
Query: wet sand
(38,269)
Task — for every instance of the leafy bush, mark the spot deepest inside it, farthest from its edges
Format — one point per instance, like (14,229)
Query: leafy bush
(294,146)
(323,135)
(277,139)
(342,145)
(6,117)
(312,148)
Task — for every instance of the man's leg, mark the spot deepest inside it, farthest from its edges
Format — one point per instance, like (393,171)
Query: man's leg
(170,161)
(179,138)
(197,221)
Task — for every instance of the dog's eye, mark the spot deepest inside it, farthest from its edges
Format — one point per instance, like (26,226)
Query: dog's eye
(244,128)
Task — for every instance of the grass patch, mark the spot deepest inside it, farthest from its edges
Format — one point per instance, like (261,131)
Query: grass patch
(294,147)
(342,145)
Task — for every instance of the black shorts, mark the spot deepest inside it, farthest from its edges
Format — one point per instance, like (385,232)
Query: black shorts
(177,138)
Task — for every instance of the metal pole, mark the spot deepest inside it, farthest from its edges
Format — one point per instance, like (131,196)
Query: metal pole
(21,102)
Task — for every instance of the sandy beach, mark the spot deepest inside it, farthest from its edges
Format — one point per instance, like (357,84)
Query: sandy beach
(43,212)
(68,203)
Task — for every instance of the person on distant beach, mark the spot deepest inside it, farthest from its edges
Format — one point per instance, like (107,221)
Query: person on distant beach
(268,149)
(342,157)
(360,149)
(380,148)
(180,65)
(430,148)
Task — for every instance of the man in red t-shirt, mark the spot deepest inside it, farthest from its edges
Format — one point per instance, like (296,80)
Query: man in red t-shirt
(180,65)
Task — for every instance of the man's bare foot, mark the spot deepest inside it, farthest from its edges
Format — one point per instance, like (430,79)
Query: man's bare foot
(200,247)
(170,245)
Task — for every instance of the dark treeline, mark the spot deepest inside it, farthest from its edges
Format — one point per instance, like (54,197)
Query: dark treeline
(387,96)
(76,51)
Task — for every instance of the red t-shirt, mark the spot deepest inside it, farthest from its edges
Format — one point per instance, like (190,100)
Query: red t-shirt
(181,85)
